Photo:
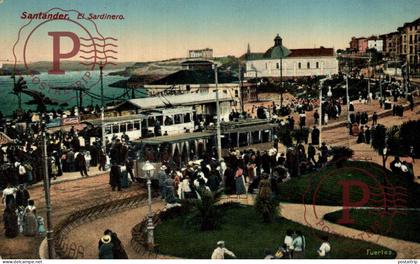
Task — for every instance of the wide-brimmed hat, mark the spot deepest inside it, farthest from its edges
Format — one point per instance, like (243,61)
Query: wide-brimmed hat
(221,243)
(163,167)
(106,239)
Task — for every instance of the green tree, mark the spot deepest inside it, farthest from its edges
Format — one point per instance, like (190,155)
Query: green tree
(265,204)
(205,213)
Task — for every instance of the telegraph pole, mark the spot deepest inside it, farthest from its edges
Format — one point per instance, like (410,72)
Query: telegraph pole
(218,132)
(320,111)
(101,67)
(50,232)
(241,100)
(347,98)
(370,58)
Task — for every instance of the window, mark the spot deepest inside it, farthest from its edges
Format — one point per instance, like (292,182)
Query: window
(308,65)
(188,87)
(177,119)
(151,121)
(300,65)
(266,66)
(137,125)
(168,121)
(115,129)
(236,93)
(130,126)
(123,127)
(277,65)
(159,119)
(317,65)
(108,129)
(187,118)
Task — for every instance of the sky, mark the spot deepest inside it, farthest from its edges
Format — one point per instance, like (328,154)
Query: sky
(163,29)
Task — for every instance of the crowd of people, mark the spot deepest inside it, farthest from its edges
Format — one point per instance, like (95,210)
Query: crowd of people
(293,247)
(19,216)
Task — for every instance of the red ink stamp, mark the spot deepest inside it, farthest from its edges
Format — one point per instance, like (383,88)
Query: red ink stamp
(370,192)
(62,36)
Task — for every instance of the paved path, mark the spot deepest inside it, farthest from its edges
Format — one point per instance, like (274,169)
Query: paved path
(66,197)
(296,213)
(88,234)
(340,137)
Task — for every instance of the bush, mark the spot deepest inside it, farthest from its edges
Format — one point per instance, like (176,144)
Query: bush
(409,136)
(265,204)
(378,138)
(341,154)
(205,214)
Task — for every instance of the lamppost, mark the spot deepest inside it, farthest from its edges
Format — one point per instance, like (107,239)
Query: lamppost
(329,93)
(370,58)
(50,232)
(101,67)
(218,132)
(320,111)
(384,156)
(148,169)
(347,98)
(380,84)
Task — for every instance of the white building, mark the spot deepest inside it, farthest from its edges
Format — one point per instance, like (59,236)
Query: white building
(201,53)
(279,61)
(376,43)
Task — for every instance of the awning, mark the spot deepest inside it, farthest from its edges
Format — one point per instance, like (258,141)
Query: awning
(174,138)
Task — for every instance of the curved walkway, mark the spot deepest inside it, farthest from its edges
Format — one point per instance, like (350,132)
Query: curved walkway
(296,213)
(88,235)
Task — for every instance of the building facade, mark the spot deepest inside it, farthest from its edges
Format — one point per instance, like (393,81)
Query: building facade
(392,43)
(201,53)
(410,48)
(280,61)
(376,43)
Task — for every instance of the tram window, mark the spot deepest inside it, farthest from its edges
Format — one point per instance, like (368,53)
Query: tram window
(123,127)
(151,121)
(177,119)
(168,121)
(115,129)
(107,129)
(187,118)
(137,125)
(130,127)
(160,119)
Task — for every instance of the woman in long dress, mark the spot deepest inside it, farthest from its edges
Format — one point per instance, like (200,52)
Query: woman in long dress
(31,224)
(240,181)
(10,219)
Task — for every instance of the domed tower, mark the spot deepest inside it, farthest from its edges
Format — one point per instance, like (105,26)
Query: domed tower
(278,51)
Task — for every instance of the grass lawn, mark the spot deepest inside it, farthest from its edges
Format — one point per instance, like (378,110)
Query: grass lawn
(302,189)
(404,225)
(246,235)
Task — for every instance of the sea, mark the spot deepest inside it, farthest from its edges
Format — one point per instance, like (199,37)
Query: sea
(45,83)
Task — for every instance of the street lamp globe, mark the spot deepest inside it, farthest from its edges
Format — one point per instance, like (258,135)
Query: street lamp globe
(329,93)
(385,151)
(148,169)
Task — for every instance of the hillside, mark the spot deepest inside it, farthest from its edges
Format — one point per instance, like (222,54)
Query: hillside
(44,66)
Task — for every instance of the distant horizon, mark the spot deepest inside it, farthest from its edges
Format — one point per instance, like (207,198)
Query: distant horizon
(156,30)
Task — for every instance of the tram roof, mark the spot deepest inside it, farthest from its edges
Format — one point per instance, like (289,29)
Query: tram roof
(174,138)
(115,119)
